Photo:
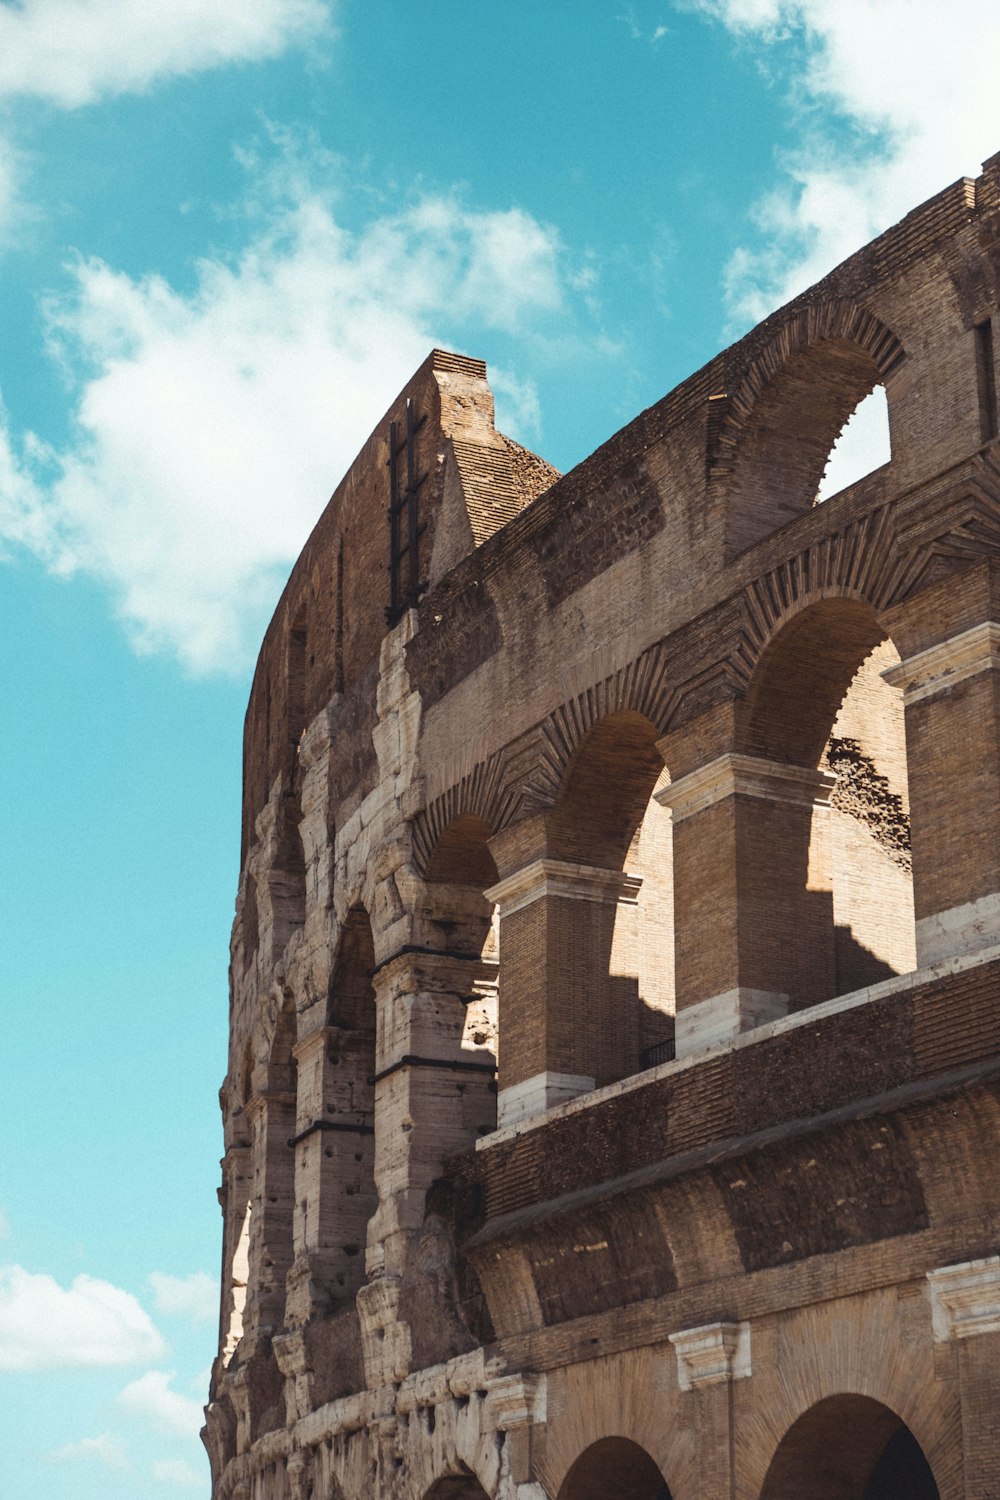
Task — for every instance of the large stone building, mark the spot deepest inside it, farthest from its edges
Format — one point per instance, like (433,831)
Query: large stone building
(613,1092)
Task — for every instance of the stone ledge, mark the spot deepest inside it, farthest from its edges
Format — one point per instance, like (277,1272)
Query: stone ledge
(555,877)
(712,1354)
(733,775)
(965,1299)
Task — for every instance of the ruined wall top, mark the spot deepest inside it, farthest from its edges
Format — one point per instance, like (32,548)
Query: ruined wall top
(701,481)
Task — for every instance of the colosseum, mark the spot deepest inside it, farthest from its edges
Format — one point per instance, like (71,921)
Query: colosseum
(614,1080)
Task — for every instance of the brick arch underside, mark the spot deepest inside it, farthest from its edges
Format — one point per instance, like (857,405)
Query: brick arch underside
(787,410)
(849,1447)
(614,1466)
(530,774)
(665,685)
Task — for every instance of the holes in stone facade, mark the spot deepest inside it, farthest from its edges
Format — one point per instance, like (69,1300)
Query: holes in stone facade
(274,1171)
(461,922)
(342,1177)
(849,1448)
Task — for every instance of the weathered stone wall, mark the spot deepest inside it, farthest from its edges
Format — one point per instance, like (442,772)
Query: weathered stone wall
(613,1093)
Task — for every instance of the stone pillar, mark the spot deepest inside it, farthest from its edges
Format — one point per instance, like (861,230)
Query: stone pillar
(951,694)
(435,1085)
(272,1119)
(235,1195)
(965,1311)
(753,903)
(516,1407)
(561,1031)
(709,1360)
(334,1170)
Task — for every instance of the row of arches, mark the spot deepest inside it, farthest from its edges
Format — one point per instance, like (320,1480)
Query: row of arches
(648,889)
(637,918)
(847,1447)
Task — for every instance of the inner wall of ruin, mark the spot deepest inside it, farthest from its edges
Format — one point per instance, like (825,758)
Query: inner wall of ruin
(615,986)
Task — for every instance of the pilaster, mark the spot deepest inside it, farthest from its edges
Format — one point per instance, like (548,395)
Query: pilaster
(752,894)
(564,1028)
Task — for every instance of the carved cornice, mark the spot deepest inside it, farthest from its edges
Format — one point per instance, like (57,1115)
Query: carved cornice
(554,877)
(940,667)
(733,775)
(514,1401)
(712,1354)
(965,1299)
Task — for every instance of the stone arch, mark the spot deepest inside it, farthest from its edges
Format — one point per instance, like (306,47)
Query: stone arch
(461,921)
(788,408)
(614,1466)
(462,1486)
(849,1447)
(606,817)
(817,702)
(335,1135)
(272,1120)
(520,779)
(583,994)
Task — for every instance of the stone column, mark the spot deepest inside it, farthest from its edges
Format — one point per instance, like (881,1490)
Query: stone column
(951,694)
(272,1119)
(965,1312)
(709,1360)
(235,1196)
(334,1170)
(516,1407)
(753,904)
(435,1084)
(561,1031)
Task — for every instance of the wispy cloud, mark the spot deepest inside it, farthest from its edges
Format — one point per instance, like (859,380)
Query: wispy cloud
(211,425)
(195,1296)
(894,99)
(179,1473)
(152,1398)
(106,1449)
(44,1326)
(74,52)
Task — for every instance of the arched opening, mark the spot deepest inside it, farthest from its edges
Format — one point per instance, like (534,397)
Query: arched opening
(863,445)
(607,819)
(335,1142)
(614,1466)
(849,1448)
(791,427)
(457,1487)
(831,864)
(272,1116)
(463,923)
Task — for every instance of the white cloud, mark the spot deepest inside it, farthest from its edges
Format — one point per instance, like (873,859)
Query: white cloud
(915,83)
(195,1296)
(107,1449)
(73,52)
(212,425)
(44,1326)
(151,1397)
(179,1473)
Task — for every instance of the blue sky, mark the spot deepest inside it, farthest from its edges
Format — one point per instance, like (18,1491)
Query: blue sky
(228,234)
